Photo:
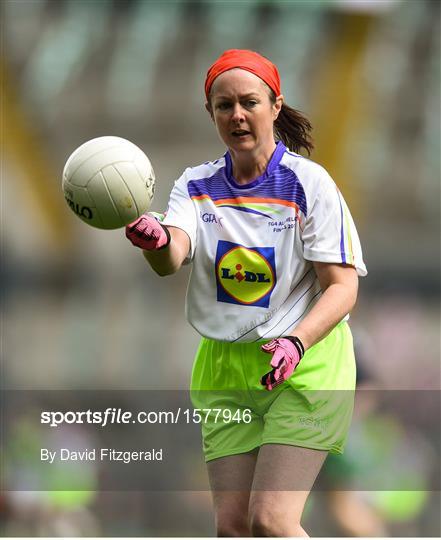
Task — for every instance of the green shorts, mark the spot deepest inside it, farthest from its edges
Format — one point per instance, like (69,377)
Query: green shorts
(312,409)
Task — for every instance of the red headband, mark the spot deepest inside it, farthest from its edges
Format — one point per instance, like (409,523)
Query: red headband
(247,60)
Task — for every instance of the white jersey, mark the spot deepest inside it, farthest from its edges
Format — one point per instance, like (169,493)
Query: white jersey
(252,245)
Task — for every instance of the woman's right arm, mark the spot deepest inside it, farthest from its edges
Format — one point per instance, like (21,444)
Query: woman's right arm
(164,247)
(168,260)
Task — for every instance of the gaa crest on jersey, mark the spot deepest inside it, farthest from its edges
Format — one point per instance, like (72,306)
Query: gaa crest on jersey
(245,275)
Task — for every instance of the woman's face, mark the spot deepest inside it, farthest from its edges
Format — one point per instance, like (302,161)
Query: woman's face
(241,108)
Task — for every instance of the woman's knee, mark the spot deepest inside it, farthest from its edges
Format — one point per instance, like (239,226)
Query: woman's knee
(231,513)
(268,522)
(232,528)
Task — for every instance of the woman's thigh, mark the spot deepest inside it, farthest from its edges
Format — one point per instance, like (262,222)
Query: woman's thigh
(283,478)
(231,478)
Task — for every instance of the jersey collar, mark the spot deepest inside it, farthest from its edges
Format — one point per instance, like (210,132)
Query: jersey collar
(272,165)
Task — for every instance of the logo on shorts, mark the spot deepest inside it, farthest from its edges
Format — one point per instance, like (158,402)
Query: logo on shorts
(313,423)
(245,275)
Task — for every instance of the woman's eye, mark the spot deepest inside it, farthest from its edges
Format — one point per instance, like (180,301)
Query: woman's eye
(251,103)
(223,106)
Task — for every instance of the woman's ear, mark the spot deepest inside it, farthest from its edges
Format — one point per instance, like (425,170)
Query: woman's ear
(277,106)
(209,109)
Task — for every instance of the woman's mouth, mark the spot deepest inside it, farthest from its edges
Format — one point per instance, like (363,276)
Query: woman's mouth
(240,133)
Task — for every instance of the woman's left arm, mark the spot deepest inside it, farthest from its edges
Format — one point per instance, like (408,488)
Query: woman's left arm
(339,284)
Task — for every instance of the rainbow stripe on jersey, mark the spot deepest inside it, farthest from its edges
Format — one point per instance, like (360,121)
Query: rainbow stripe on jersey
(268,195)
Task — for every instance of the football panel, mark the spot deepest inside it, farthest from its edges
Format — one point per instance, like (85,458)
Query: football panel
(145,169)
(82,164)
(119,183)
(88,168)
(81,204)
(104,202)
(140,193)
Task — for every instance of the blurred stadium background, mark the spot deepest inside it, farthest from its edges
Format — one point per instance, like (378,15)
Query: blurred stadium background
(81,310)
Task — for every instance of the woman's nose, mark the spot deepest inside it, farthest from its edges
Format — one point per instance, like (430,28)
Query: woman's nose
(238,113)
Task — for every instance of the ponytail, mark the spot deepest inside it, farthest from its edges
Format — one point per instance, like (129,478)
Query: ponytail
(293,128)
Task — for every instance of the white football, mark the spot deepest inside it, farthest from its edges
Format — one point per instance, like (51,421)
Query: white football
(108,182)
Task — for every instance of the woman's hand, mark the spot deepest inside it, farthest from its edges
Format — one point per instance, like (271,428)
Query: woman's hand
(147,233)
(164,247)
(287,353)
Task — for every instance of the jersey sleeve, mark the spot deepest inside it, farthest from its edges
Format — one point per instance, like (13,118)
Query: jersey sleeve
(329,234)
(181,213)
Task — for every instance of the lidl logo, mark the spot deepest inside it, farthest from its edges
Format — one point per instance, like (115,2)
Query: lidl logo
(245,275)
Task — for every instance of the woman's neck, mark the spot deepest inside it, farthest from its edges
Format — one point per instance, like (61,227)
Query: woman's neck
(247,166)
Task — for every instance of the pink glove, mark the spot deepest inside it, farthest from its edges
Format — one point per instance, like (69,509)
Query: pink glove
(287,352)
(147,233)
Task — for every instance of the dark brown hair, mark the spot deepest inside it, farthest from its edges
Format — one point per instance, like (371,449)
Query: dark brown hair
(293,128)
